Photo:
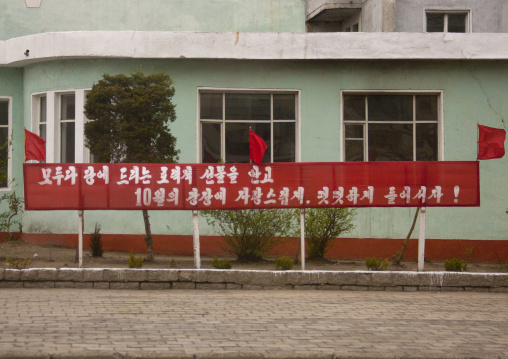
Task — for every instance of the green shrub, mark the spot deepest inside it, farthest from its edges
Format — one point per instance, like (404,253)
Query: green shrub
(96,242)
(224,263)
(284,263)
(376,264)
(18,263)
(135,262)
(323,226)
(458,265)
(455,265)
(12,215)
(250,234)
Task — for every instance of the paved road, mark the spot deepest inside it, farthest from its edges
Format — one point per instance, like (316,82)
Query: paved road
(63,323)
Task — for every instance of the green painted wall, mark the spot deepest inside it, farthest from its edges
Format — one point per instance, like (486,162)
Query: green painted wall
(170,15)
(473,92)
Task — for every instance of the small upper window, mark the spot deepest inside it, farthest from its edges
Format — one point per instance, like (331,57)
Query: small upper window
(447,21)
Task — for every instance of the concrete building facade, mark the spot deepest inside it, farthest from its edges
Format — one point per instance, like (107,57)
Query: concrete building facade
(53,51)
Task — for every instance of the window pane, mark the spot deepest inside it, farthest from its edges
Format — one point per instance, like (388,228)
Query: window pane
(457,23)
(211,106)
(283,142)
(354,150)
(67,142)
(390,108)
(390,142)
(42,131)
(68,108)
(426,108)
(210,143)
(435,22)
(4,155)
(426,142)
(237,141)
(354,108)
(248,107)
(4,113)
(42,110)
(284,107)
(354,131)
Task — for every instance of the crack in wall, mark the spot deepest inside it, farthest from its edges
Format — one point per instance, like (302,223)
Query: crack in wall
(487,98)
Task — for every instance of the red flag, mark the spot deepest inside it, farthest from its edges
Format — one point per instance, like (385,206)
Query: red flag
(34,147)
(490,142)
(257,147)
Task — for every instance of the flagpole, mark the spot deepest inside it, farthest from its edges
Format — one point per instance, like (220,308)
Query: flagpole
(477,140)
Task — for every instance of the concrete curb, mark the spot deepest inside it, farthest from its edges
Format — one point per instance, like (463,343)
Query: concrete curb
(215,279)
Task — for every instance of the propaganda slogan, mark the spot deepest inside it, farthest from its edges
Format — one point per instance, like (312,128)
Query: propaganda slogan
(134,186)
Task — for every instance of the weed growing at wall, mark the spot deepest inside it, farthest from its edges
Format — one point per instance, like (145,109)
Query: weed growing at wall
(96,242)
(18,263)
(376,264)
(135,262)
(284,263)
(456,264)
(224,263)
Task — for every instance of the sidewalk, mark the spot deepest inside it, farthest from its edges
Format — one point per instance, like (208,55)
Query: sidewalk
(73,323)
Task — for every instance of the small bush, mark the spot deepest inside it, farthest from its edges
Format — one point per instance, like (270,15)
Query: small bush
(284,263)
(376,264)
(458,265)
(224,263)
(249,234)
(96,242)
(172,264)
(323,226)
(455,265)
(135,262)
(18,263)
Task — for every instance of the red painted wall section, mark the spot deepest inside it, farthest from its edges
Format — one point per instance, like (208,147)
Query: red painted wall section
(343,249)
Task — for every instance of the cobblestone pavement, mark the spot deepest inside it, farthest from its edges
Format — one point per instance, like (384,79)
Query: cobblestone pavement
(73,323)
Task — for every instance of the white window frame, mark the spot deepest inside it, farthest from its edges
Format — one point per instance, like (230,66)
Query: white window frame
(9,152)
(447,12)
(53,103)
(440,114)
(223,121)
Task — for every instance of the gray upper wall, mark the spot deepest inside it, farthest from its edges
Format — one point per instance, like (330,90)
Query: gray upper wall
(487,16)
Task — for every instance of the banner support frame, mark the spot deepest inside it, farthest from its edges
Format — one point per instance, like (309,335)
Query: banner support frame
(195,237)
(421,240)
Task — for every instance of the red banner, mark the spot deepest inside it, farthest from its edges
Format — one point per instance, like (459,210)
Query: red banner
(127,186)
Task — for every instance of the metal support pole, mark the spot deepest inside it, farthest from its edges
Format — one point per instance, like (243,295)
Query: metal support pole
(195,234)
(421,240)
(302,236)
(81,224)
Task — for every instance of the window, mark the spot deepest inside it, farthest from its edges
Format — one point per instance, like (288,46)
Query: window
(59,119)
(67,128)
(226,116)
(42,117)
(447,21)
(5,120)
(391,126)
